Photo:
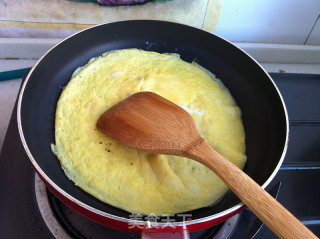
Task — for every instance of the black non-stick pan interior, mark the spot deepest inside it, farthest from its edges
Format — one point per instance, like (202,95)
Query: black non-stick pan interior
(263,113)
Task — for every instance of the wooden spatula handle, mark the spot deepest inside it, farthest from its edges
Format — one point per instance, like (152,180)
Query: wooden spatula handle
(272,213)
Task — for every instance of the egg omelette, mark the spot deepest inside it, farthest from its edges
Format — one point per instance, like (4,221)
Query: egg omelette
(136,181)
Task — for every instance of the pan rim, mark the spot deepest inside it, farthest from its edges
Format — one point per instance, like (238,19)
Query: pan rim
(127,220)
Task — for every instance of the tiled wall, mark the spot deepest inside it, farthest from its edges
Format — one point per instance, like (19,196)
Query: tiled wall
(271,21)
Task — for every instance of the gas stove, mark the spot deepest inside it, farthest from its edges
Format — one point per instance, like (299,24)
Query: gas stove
(29,210)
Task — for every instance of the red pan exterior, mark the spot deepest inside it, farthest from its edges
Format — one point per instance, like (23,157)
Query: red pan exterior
(123,226)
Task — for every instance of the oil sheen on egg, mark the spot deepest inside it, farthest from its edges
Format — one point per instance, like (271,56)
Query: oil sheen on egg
(129,179)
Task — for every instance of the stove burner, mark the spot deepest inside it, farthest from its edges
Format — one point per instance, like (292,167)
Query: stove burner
(46,212)
(65,223)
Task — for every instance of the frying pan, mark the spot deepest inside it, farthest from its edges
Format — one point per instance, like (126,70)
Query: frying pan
(263,111)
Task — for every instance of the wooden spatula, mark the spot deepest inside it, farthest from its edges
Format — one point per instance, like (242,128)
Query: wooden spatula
(149,122)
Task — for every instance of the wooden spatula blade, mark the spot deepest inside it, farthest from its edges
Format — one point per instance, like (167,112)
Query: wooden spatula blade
(147,121)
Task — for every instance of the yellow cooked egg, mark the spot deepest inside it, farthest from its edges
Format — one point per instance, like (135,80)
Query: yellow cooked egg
(129,179)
